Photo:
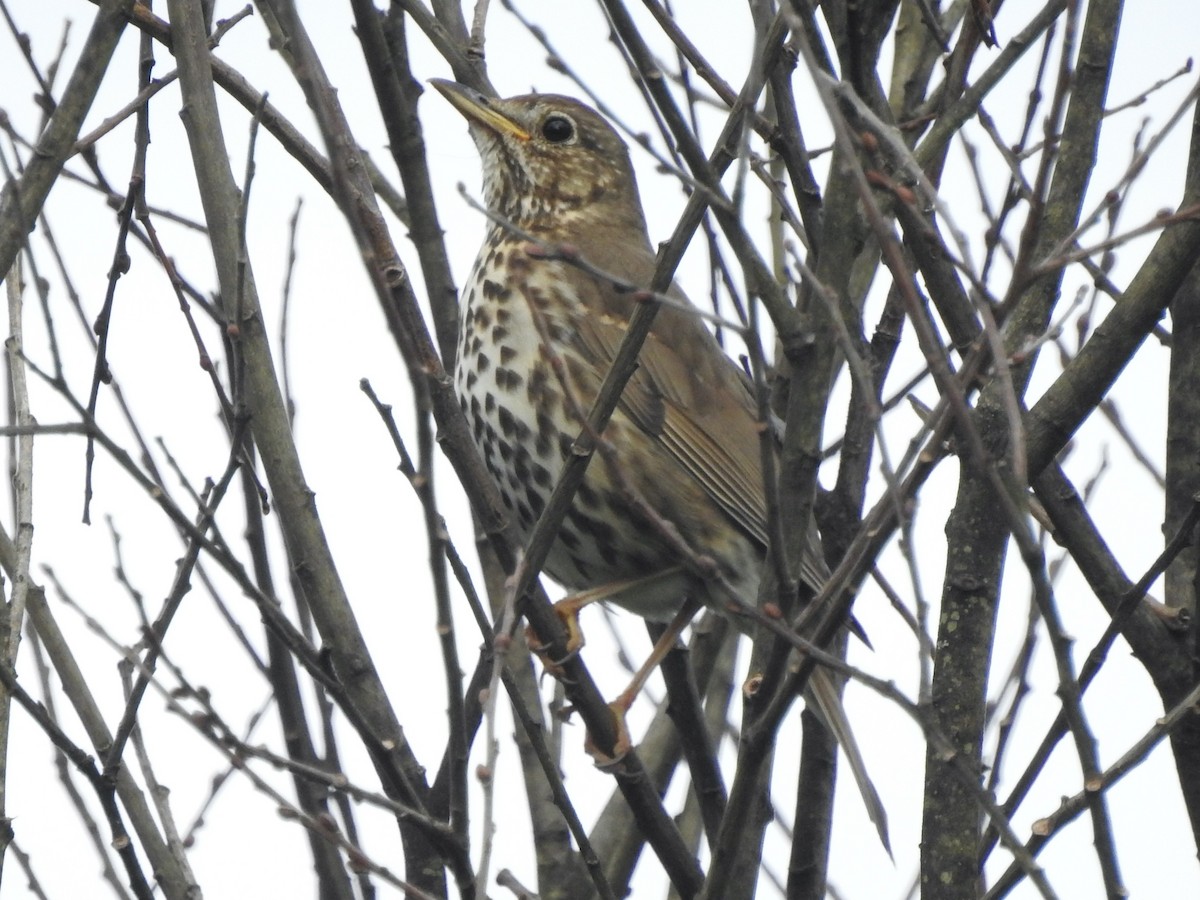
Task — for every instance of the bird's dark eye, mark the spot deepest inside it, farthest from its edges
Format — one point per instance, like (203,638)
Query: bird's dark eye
(558,129)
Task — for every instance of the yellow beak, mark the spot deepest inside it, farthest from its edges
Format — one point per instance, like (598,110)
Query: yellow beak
(478,108)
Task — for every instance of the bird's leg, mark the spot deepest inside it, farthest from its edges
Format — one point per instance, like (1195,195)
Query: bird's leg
(662,647)
(621,705)
(568,610)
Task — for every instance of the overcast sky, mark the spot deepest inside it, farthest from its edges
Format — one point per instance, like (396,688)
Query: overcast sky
(337,336)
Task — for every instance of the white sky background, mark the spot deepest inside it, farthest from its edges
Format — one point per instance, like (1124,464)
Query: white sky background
(337,336)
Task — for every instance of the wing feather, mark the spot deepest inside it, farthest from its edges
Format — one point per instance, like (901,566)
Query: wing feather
(691,398)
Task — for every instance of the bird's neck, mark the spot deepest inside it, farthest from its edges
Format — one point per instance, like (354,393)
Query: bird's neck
(557,210)
(572,224)
(564,217)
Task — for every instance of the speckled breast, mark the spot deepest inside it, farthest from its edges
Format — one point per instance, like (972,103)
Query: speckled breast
(524,425)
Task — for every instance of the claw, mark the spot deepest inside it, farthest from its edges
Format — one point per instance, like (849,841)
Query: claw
(623,744)
(568,613)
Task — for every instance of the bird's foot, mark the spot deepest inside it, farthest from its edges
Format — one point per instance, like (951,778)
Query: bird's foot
(567,611)
(623,743)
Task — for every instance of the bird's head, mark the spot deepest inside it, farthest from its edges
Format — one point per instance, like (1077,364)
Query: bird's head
(548,161)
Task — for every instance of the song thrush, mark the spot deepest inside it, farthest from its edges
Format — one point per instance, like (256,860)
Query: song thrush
(686,432)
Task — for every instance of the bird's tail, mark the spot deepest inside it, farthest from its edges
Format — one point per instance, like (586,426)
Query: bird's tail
(828,706)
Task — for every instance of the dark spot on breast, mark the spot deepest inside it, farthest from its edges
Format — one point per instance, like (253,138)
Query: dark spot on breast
(499,333)
(587,496)
(489,402)
(601,531)
(471,379)
(476,344)
(543,445)
(521,468)
(492,289)
(536,503)
(482,362)
(569,538)
(480,316)
(576,523)
(503,315)
(507,379)
(508,424)
(507,354)
(525,513)
(607,552)
(506,450)
(538,380)
(477,419)
(541,475)
(489,437)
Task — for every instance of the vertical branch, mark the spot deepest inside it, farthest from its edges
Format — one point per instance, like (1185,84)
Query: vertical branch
(385,50)
(12,616)
(312,798)
(1183,439)
(977,538)
(1183,487)
(23,476)
(313,801)
(313,562)
(386,53)
(135,200)
(807,392)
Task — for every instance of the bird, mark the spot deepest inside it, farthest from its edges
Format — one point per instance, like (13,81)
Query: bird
(537,335)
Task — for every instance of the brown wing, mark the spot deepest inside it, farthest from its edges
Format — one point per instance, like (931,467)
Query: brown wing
(686,394)
(690,397)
